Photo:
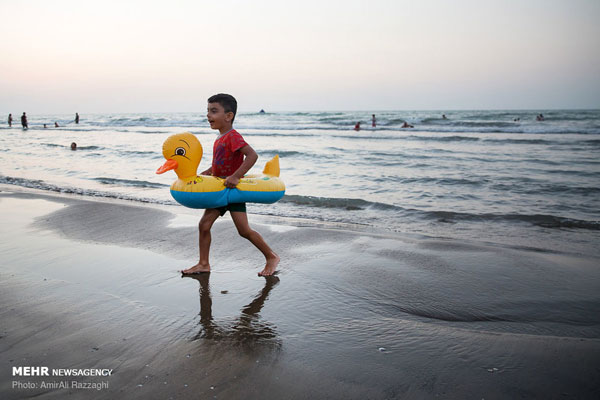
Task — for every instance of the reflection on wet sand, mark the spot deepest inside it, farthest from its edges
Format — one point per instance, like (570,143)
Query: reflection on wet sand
(247,330)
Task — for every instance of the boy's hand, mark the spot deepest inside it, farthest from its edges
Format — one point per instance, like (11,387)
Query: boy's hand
(231,181)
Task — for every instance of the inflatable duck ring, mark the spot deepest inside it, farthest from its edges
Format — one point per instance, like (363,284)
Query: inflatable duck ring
(184,152)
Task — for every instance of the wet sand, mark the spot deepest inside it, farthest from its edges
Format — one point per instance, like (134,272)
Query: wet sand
(351,314)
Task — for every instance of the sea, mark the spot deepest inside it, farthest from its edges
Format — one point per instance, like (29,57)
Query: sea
(493,176)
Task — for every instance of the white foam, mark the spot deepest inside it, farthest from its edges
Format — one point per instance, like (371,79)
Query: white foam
(183,221)
(282,228)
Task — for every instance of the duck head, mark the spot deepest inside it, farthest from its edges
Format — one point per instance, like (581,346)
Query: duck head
(183,153)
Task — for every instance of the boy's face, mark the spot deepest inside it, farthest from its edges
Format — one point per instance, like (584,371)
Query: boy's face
(217,117)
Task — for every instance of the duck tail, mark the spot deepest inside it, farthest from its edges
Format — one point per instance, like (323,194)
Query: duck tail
(272,167)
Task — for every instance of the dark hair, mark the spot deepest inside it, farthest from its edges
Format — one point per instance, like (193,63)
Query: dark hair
(227,101)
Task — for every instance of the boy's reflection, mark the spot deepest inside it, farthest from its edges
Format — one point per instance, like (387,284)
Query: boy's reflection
(248,329)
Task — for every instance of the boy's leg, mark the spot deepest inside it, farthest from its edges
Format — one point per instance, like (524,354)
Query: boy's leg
(206,223)
(240,219)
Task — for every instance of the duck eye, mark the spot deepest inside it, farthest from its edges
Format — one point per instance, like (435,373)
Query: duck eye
(180,151)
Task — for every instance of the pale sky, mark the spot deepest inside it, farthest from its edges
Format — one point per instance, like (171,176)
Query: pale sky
(168,56)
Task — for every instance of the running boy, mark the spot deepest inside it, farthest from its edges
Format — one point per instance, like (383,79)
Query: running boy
(232,158)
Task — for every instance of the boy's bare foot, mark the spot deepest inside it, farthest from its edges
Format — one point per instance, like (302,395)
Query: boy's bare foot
(196,269)
(271,266)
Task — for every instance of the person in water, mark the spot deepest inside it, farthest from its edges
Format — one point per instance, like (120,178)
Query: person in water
(24,121)
(56,125)
(406,125)
(373,121)
(76,118)
(444,116)
(10,120)
(232,158)
(73,146)
(357,126)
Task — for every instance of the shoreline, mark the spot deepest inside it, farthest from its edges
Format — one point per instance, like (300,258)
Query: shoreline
(184,217)
(94,284)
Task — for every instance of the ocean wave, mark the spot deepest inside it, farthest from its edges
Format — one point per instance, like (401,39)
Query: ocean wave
(153,154)
(42,185)
(480,124)
(151,132)
(129,182)
(449,123)
(520,141)
(53,145)
(443,138)
(141,131)
(443,181)
(515,129)
(330,202)
(362,137)
(279,134)
(335,118)
(587,174)
(431,120)
(282,154)
(68,146)
(575,190)
(392,122)
(541,220)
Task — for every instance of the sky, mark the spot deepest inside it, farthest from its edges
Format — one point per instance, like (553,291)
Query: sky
(92,56)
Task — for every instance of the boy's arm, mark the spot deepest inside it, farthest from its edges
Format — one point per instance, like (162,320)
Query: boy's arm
(249,160)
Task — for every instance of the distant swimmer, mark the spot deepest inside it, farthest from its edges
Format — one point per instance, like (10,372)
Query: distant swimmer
(406,125)
(24,121)
(56,125)
(444,116)
(10,120)
(76,118)
(373,121)
(261,111)
(73,146)
(357,126)
(540,117)
(517,119)
(45,126)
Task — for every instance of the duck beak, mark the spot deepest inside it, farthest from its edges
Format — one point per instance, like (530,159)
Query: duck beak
(167,166)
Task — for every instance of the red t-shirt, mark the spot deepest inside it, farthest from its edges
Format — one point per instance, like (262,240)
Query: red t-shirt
(226,155)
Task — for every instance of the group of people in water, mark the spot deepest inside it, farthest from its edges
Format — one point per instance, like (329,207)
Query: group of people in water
(25,123)
(539,117)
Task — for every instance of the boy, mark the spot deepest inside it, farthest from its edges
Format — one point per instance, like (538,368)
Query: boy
(232,158)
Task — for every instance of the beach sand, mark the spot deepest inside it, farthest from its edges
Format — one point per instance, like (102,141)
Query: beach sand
(350,315)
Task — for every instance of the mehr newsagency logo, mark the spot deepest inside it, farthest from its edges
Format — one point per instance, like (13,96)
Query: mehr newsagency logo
(72,378)
(45,371)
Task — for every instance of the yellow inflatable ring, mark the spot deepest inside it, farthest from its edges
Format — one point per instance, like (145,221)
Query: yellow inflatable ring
(183,153)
